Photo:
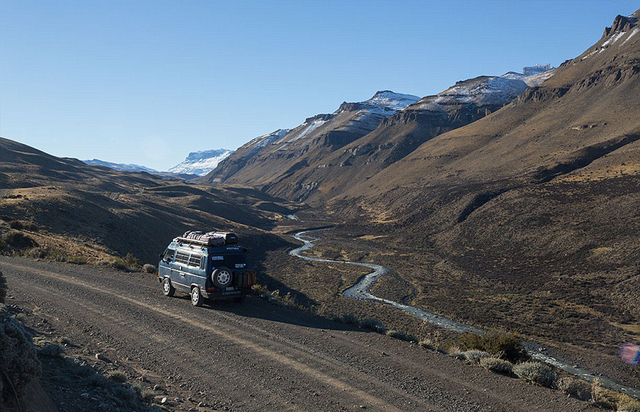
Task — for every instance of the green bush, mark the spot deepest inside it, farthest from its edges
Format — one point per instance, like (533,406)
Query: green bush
(537,373)
(500,344)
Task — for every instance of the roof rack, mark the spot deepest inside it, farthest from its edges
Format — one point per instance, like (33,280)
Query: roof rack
(180,239)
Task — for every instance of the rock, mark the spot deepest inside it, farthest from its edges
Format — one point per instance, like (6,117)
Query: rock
(102,358)
(163,400)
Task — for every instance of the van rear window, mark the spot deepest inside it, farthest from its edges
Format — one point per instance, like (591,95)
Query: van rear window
(237,261)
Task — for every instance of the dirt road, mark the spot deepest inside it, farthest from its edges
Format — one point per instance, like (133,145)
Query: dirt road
(257,356)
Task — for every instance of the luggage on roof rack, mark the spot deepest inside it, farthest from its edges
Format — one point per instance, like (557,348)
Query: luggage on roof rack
(215,239)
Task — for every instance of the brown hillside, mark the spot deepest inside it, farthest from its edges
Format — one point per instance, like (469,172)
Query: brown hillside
(272,159)
(532,212)
(77,211)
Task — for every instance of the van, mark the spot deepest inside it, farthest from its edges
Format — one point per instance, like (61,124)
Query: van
(206,266)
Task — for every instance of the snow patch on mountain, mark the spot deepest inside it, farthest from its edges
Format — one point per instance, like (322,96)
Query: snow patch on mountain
(483,90)
(120,166)
(391,100)
(265,139)
(202,162)
(310,128)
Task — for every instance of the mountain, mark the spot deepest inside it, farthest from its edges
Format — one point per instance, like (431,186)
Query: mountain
(275,156)
(120,166)
(202,162)
(288,167)
(530,213)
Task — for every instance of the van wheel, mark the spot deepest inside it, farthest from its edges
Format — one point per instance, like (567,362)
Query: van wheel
(167,288)
(196,297)
(221,277)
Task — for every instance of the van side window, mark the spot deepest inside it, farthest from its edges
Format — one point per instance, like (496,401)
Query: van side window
(195,261)
(182,258)
(168,255)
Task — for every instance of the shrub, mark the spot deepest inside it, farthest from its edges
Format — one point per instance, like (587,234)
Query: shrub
(576,388)
(608,399)
(497,365)
(77,260)
(474,355)
(537,373)
(373,324)
(131,260)
(500,344)
(124,394)
(96,380)
(259,289)
(18,357)
(16,224)
(51,350)
(3,288)
(629,406)
(350,319)
(116,376)
(396,334)
(18,240)
(148,268)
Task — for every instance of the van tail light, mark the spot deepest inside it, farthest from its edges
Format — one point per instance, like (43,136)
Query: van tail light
(211,290)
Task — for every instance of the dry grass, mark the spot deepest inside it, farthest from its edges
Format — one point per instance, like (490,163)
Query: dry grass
(537,373)
(497,365)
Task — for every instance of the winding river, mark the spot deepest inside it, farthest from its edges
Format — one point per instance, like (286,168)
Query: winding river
(362,291)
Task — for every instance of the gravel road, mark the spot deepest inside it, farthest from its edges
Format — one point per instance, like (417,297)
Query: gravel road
(257,356)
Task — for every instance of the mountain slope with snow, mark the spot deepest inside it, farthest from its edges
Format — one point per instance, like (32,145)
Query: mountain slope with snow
(202,162)
(274,156)
(120,166)
(390,125)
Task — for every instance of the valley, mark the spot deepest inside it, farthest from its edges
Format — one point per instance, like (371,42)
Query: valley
(504,203)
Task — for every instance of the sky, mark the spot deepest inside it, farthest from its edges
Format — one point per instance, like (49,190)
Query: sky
(148,81)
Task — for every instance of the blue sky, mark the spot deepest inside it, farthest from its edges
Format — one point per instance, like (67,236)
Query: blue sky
(149,81)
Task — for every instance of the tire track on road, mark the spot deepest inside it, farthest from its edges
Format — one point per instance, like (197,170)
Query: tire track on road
(233,335)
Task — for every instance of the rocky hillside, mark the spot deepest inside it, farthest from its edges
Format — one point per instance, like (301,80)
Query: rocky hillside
(533,206)
(384,135)
(61,208)
(274,157)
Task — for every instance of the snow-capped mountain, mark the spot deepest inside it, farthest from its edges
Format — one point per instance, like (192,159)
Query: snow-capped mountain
(286,149)
(120,166)
(482,91)
(202,162)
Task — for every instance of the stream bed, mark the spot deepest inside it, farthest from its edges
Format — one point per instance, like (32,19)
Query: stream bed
(362,291)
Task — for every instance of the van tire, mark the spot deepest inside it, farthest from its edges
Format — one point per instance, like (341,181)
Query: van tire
(167,288)
(222,277)
(196,296)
